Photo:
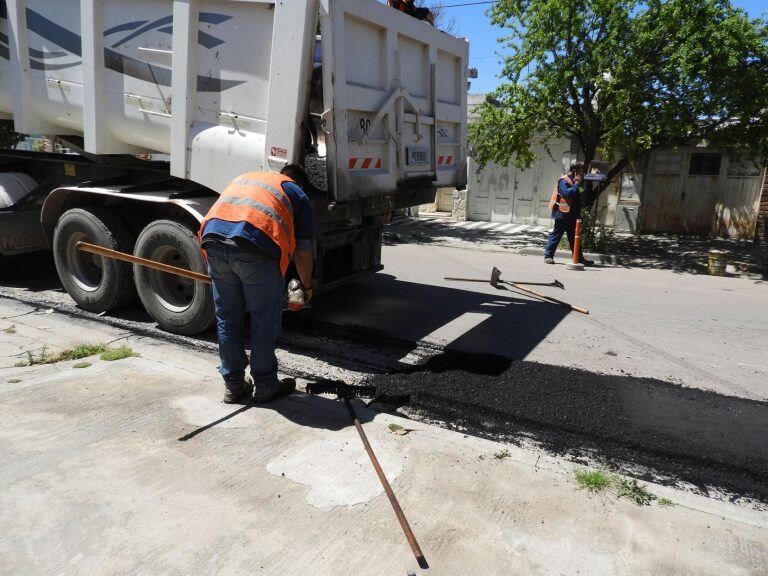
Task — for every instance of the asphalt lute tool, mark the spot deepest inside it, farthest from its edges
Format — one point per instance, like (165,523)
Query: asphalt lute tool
(498,283)
(346,392)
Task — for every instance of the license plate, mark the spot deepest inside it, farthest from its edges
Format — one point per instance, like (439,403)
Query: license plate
(418,155)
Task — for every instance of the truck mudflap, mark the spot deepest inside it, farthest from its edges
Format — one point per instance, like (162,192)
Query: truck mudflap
(394,98)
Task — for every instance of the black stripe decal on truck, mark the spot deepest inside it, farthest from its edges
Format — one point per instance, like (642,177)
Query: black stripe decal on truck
(115,61)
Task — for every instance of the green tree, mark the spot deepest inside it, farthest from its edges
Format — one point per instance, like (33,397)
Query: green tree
(8,136)
(625,77)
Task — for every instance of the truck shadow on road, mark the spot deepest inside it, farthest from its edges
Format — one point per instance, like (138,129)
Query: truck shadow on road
(392,318)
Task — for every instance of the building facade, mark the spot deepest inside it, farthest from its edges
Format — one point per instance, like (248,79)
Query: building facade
(687,190)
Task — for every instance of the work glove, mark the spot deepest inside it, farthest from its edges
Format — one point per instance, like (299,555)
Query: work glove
(298,295)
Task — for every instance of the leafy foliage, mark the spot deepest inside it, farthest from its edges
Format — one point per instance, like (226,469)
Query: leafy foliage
(624,77)
(594,236)
(8,136)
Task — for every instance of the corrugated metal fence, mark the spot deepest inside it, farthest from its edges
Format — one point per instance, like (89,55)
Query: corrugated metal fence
(762,218)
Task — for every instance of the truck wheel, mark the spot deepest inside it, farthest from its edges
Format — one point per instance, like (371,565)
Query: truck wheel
(177,304)
(95,283)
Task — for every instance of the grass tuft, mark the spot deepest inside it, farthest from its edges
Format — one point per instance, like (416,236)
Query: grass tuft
(394,427)
(594,480)
(35,357)
(82,351)
(11,329)
(82,365)
(634,492)
(501,454)
(14,381)
(43,356)
(118,354)
(598,481)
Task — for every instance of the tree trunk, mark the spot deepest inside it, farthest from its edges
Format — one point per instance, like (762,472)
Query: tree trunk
(589,188)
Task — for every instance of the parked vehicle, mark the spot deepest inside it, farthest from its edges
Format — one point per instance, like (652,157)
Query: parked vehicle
(166,102)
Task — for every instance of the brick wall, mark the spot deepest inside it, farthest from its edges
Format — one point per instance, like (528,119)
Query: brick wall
(762,216)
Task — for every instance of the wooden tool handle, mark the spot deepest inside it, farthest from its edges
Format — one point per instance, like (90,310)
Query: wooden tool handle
(486,281)
(409,535)
(106,252)
(545,297)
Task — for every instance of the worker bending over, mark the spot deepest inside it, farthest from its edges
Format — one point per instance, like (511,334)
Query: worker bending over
(260,222)
(565,205)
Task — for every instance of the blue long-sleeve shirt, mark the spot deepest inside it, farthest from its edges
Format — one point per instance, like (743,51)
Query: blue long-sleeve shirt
(571,193)
(247,236)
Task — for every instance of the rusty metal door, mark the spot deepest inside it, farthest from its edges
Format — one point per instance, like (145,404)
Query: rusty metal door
(661,209)
(698,204)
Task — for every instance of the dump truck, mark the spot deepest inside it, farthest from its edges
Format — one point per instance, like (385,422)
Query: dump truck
(164,102)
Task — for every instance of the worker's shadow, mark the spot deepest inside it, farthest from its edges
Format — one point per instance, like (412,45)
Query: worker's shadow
(303,409)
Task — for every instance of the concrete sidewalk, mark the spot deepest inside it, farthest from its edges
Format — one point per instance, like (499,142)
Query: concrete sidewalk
(135,467)
(685,254)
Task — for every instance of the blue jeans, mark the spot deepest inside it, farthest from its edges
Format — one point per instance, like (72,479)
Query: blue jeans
(246,282)
(562,226)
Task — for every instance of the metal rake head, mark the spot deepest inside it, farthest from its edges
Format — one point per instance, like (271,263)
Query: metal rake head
(341,389)
(495,277)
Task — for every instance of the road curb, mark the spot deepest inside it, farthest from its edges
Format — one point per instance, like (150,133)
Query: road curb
(611,259)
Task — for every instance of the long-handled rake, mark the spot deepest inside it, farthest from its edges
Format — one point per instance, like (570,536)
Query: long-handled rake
(346,392)
(498,283)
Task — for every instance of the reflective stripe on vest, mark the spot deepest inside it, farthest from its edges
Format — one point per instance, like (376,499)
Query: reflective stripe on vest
(564,204)
(258,198)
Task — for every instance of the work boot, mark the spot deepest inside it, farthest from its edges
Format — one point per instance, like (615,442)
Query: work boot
(549,260)
(588,262)
(287,386)
(240,393)
(234,395)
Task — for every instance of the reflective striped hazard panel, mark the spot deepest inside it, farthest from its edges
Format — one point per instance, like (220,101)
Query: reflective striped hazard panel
(365,163)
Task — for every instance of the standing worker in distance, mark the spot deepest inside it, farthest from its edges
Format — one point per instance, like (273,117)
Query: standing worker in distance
(565,205)
(260,222)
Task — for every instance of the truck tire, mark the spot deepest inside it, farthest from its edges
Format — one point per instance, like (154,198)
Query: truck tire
(95,283)
(177,304)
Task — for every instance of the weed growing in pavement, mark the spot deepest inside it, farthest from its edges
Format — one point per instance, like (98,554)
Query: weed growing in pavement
(14,381)
(11,329)
(394,427)
(118,354)
(501,454)
(82,351)
(598,481)
(634,491)
(42,356)
(82,365)
(35,357)
(594,480)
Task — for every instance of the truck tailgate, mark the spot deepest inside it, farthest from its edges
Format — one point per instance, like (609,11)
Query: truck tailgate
(395,97)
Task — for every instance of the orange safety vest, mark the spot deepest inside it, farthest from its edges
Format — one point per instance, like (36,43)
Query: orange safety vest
(564,204)
(259,199)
